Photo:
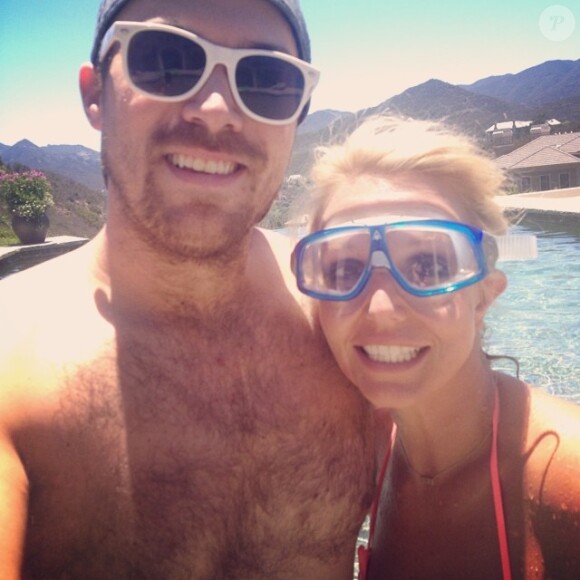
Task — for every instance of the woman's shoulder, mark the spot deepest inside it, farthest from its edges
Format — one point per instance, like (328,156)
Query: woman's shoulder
(545,430)
(543,412)
(552,452)
(553,413)
(553,480)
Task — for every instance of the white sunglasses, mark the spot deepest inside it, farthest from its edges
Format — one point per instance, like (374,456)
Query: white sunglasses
(171,64)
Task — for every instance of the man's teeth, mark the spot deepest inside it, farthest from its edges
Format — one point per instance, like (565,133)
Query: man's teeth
(390,354)
(203,166)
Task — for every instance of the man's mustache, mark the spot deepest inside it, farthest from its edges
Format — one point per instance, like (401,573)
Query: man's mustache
(197,136)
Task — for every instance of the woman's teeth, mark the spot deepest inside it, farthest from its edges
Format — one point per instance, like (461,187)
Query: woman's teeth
(390,354)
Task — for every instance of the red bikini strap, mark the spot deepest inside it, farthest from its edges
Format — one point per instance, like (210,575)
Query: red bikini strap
(497,499)
(376,500)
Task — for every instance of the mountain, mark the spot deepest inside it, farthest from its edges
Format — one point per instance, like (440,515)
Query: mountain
(548,82)
(320,120)
(79,163)
(547,91)
(467,112)
(550,90)
(464,110)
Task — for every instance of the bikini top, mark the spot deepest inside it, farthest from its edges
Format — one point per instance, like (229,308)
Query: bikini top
(364,553)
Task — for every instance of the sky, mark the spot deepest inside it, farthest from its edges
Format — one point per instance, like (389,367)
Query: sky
(367,51)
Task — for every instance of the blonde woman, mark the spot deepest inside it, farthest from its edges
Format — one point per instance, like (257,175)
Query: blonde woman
(482,474)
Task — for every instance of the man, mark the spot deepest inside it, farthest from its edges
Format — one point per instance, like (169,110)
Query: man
(168,408)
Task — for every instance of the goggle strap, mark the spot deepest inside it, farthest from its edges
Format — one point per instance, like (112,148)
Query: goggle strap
(517,247)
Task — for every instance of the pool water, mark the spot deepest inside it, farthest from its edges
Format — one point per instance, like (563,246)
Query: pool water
(537,319)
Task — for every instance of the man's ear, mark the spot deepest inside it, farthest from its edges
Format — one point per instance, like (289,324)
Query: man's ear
(90,86)
(491,287)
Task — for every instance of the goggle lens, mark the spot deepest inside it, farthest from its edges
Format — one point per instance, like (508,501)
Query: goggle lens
(432,259)
(335,264)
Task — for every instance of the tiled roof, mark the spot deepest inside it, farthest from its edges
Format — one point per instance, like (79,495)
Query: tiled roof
(546,150)
(545,157)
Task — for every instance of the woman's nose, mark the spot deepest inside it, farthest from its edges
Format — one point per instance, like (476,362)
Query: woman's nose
(384,294)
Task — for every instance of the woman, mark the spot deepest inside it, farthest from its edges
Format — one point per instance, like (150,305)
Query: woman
(482,475)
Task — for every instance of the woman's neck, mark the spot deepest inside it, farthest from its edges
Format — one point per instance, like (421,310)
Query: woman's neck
(436,439)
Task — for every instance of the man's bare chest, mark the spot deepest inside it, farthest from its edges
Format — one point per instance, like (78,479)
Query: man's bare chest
(172,462)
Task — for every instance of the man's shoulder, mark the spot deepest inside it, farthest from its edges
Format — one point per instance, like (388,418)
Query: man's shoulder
(279,242)
(272,256)
(48,314)
(46,284)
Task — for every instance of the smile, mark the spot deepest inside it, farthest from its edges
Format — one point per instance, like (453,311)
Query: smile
(390,354)
(203,165)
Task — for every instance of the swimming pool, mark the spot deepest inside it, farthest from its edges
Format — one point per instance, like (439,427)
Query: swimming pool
(537,319)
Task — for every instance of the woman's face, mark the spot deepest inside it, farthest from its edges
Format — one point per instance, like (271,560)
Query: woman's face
(401,349)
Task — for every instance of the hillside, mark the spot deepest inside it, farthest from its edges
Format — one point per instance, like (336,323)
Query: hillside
(545,83)
(78,210)
(79,163)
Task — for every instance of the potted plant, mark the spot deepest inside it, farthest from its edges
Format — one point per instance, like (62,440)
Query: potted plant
(27,196)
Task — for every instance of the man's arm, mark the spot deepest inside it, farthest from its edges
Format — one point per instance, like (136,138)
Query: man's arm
(13,509)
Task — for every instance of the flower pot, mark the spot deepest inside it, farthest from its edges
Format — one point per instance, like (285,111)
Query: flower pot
(30,230)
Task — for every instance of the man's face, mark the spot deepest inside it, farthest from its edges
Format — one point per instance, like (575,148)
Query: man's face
(193,177)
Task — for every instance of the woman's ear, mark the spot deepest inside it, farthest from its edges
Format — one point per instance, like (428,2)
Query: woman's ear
(90,86)
(491,286)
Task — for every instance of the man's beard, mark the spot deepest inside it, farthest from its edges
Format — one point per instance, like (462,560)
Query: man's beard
(164,229)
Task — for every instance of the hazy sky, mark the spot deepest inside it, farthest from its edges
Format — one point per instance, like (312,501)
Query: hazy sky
(368,51)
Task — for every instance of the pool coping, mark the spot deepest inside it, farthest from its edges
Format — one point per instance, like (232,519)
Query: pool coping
(17,258)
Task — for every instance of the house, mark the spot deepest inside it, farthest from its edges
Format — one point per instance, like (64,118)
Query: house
(506,132)
(547,162)
(546,128)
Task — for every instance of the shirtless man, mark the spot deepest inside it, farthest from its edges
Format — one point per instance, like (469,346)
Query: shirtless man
(164,394)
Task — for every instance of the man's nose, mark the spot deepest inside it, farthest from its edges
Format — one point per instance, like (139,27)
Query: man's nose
(213,105)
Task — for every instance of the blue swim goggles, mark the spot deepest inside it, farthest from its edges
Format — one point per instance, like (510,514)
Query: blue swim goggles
(425,257)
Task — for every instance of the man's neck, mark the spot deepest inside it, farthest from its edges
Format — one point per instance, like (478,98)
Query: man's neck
(139,278)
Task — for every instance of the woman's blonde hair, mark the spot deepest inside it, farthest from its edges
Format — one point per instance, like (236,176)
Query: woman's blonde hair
(411,151)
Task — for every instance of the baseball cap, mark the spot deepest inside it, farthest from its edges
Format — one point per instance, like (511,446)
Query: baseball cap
(290,9)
